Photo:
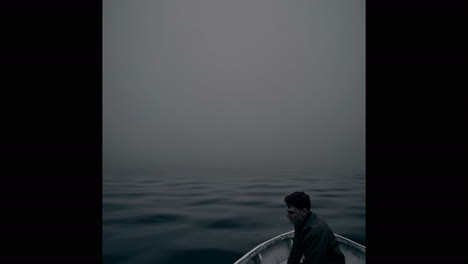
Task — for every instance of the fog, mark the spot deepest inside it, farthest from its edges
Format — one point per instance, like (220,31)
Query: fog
(233,85)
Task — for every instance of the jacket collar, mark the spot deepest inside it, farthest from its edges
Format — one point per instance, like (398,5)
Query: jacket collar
(306,219)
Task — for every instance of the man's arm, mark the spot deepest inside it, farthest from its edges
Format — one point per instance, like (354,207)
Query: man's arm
(295,255)
(315,246)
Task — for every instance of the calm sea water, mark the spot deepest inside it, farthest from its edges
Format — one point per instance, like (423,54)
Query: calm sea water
(217,218)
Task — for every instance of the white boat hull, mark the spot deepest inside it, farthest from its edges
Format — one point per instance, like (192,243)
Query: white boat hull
(276,251)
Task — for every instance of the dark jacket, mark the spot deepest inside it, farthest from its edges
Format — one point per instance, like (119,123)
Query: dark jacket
(314,239)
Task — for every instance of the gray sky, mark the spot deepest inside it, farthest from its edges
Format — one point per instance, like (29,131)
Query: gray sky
(233,84)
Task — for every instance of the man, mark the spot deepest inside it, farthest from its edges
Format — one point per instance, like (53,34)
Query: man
(313,238)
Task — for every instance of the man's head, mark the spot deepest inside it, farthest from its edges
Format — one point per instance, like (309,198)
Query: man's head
(298,206)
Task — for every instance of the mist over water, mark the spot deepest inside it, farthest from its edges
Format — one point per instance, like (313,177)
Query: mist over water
(213,84)
(213,218)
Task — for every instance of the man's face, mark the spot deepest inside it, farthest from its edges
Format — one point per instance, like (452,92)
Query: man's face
(296,215)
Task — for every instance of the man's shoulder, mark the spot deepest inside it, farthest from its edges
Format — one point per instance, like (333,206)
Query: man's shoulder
(314,229)
(315,226)
(315,222)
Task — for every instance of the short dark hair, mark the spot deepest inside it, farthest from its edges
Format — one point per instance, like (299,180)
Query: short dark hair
(299,200)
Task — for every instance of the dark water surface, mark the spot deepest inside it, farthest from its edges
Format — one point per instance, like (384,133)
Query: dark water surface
(217,218)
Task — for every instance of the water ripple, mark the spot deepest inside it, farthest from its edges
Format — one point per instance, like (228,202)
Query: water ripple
(125,194)
(147,219)
(249,203)
(208,201)
(232,223)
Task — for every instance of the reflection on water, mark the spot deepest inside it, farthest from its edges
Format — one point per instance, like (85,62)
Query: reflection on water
(170,219)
